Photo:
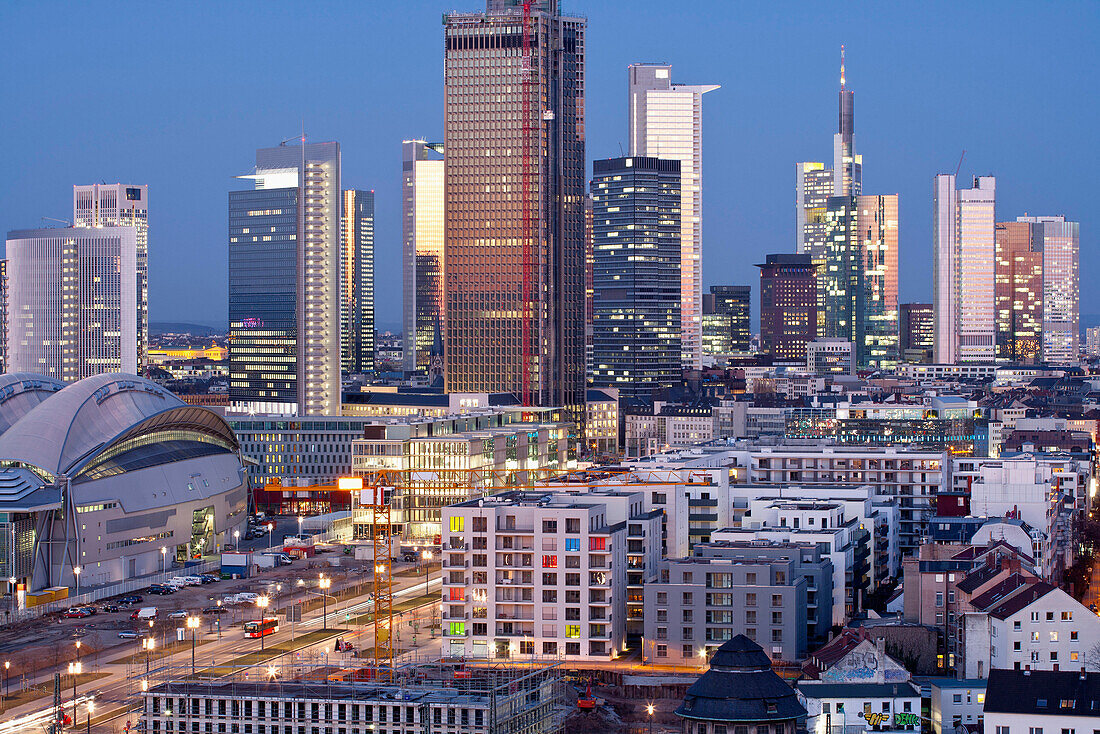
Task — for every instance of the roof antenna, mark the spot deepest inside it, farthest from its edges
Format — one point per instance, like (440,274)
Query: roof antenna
(842,67)
(621,153)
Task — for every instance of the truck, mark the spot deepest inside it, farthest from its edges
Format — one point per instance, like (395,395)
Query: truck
(144,613)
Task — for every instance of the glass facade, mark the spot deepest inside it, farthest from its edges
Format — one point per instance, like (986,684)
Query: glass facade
(422,232)
(727,315)
(514,183)
(357,282)
(263,269)
(915,331)
(960,436)
(1019,293)
(636,264)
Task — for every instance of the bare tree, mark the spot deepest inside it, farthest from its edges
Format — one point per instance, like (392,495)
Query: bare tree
(1092,658)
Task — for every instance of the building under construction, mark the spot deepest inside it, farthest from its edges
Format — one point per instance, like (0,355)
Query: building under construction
(525,699)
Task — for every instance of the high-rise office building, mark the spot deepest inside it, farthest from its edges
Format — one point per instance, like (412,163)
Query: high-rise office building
(916,329)
(72,301)
(422,250)
(813,187)
(788,305)
(636,262)
(284,294)
(963,283)
(122,205)
(861,276)
(1018,293)
(665,120)
(589,285)
(514,186)
(357,282)
(727,319)
(847,166)
(1059,242)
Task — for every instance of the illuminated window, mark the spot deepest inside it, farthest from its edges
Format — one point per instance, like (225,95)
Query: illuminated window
(597,544)
(458,629)
(550,561)
(458,524)
(457,593)
(572,630)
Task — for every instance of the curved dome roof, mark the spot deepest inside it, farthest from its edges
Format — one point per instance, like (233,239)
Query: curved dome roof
(740,686)
(63,433)
(22,391)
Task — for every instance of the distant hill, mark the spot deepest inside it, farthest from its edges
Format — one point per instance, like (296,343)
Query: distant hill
(180,327)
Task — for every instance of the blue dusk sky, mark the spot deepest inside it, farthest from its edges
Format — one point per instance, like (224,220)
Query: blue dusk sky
(179,95)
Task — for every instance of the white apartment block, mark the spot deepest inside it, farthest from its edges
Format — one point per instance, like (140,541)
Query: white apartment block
(1044,492)
(843,539)
(538,574)
(1040,627)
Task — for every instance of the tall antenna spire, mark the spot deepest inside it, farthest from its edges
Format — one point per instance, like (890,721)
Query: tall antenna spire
(842,67)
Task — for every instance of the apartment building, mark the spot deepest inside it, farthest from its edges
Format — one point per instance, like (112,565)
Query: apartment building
(538,574)
(844,540)
(777,594)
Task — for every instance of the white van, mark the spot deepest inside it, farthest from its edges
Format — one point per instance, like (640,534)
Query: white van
(177,582)
(191,580)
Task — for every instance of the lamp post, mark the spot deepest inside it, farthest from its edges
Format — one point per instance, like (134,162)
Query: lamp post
(427,557)
(262,603)
(299,526)
(270,527)
(7,666)
(91,706)
(163,559)
(237,539)
(218,619)
(13,594)
(649,712)
(148,645)
(193,625)
(74,671)
(76,576)
(325,583)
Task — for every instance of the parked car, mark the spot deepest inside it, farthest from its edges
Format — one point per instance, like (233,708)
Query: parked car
(110,608)
(76,613)
(90,610)
(127,635)
(215,610)
(160,589)
(178,614)
(131,599)
(209,578)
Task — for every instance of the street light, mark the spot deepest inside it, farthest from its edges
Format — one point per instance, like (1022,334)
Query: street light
(325,583)
(7,666)
(262,603)
(237,539)
(76,575)
(427,556)
(91,706)
(148,645)
(163,559)
(649,711)
(192,624)
(74,671)
(299,526)
(270,527)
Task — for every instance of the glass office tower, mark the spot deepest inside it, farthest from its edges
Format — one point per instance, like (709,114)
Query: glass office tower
(284,294)
(514,220)
(422,250)
(636,266)
(357,282)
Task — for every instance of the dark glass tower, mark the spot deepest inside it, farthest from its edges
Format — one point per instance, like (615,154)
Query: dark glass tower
(636,270)
(514,186)
(727,313)
(788,305)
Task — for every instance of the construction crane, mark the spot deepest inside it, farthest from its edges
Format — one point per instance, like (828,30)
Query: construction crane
(526,312)
(381,530)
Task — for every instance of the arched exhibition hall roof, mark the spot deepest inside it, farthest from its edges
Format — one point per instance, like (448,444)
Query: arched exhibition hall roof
(106,423)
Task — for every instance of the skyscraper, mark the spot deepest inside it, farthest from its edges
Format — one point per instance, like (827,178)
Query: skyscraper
(916,331)
(727,319)
(1018,293)
(666,121)
(122,205)
(861,278)
(72,301)
(636,261)
(284,290)
(847,166)
(422,249)
(1059,242)
(963,283)
(813,187)
(514,186)
(357,281)
(788,305)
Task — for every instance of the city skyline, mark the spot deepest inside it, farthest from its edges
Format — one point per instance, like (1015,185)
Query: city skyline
(907,142)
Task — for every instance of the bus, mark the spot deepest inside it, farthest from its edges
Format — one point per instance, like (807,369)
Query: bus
(261,628)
